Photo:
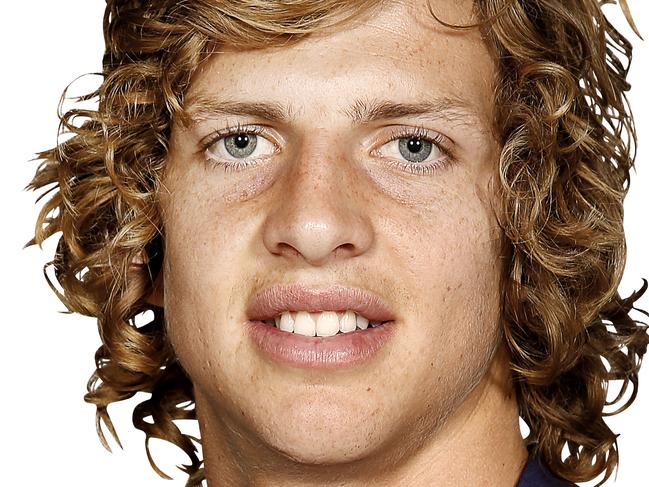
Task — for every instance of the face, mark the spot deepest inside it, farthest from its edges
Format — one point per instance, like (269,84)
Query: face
(374,170)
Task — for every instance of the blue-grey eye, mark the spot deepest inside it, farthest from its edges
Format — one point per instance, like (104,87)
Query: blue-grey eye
(415,149)
(240,145)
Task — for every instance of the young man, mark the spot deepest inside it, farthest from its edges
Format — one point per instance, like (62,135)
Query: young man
(372,233)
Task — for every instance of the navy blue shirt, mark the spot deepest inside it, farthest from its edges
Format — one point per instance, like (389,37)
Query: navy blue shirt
(536,475)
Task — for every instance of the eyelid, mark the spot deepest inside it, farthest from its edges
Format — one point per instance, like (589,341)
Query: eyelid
(239,128)
(442,142)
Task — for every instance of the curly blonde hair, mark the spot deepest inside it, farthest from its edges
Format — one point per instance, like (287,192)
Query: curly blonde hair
(567,137)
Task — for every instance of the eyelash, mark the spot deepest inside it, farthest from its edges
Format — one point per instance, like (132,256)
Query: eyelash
(226,132)
(439,141)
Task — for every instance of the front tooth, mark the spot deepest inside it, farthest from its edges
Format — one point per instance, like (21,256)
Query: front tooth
(348,322)
(327,324)
(362,322)
(286,322)
(304,324)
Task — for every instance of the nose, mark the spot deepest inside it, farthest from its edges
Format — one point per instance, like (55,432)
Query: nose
(320,212)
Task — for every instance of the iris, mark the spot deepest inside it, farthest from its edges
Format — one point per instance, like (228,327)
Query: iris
(415,149)
(240,145)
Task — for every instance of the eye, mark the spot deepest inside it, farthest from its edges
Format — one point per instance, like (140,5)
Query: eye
(239,144)
(412,148)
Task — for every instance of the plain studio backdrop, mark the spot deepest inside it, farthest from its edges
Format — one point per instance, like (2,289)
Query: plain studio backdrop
(47,356)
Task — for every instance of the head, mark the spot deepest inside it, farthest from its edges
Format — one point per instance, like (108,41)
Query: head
(500,250)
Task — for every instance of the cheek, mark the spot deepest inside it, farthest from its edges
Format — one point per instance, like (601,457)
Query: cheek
(450,253)
(199,255)
(205,234)
(449,245)
(452,269)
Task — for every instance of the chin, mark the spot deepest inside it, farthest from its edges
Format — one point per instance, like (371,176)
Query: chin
(328,433)
(324,449)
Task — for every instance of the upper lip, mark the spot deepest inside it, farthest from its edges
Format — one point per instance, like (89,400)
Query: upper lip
(272,301)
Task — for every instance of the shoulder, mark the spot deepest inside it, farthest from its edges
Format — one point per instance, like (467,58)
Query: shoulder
(536,475)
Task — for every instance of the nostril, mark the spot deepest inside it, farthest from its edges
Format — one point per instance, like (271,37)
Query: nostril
(344,250)
(317,233)
(283,248)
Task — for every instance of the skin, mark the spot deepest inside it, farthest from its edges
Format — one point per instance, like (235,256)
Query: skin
(327,204)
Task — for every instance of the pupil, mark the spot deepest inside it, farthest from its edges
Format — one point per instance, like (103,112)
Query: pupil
(241,141)
(415,145)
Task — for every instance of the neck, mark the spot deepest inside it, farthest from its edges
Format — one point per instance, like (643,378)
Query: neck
(479,444)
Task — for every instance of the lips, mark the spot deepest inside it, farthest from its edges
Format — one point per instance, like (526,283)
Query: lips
(296,297)
(342,350)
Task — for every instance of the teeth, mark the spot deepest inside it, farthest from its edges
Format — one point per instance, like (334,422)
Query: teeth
(304,324)
(286,322)
(323,324)
(348,322)
(362,322)
(327,324)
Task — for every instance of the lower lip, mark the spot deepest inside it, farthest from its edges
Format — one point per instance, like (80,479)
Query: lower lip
(340,351)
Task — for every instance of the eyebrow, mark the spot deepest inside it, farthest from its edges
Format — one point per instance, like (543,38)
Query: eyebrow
(448,108)
(360,112)
(201,108)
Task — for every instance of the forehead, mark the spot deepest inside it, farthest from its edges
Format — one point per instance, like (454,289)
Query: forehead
(395,51)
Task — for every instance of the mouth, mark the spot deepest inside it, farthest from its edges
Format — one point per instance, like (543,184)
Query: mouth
(336,327)
(273,302)
(322,324)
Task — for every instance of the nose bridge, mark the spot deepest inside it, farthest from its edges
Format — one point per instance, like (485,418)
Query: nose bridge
(320,213)
(321,169)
